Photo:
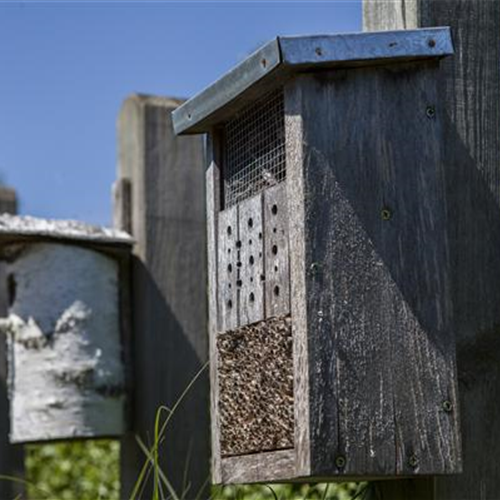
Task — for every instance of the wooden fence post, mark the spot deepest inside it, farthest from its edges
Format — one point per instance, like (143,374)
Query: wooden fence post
(11,456)
(471,112)
(166,215)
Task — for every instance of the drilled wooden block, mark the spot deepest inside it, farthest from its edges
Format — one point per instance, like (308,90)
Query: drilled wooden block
(251,261)
(256,388)
(277,271)
(227,264)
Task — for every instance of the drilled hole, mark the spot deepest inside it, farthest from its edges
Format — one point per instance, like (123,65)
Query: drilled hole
(275,269)
(276,290)
(229,303)
(249,242)
(250,222)
(238,264)
(262,277)
(274,230)
(275,249)
(260,236)
(229,230)
(251,297)
(251,280)
(274,209)
(239,283)
(230,268)
(238,244)
(12,285)
(251,260)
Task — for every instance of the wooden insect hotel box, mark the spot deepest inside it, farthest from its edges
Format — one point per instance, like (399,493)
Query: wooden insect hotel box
(332,354)
(67,290)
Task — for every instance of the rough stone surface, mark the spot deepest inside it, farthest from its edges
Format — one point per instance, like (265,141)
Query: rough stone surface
(66,377)
(256,388)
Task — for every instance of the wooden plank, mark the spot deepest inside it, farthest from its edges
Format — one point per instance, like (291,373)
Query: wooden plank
(228,276)
(212,208)
(11,456)
(470,86)
(250,265)
(298,301)
(277,268)
(371,300)
(262,467)
(169,292)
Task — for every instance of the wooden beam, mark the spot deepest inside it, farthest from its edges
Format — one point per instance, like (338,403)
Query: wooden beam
(470,89)
(169,347)
(11,456)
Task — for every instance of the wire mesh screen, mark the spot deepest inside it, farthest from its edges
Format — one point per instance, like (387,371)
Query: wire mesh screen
(254,149)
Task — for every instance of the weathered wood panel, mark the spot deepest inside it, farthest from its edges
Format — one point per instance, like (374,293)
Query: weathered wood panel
(250,265)
(213,204)
(11,456)
(277,269)
(271,466)
(375,233)
(470,86)
(169,291)
(228,259)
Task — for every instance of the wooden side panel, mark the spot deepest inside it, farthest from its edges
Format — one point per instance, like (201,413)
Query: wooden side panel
(250,261)
(276,250)
(382,381)
(169,295)
(227,268)
(470,84)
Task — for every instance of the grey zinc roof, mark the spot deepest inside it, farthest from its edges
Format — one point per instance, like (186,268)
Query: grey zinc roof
(282,57)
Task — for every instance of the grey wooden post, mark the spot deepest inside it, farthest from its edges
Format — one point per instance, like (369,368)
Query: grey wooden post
(470,95)
(11,457)
(161,180)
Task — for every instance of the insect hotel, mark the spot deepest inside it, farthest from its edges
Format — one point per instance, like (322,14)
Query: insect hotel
(332,355)
(65,324)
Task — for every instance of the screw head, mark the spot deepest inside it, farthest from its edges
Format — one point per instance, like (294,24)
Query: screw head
(314,267)
(431,43)
(386,213)
(447,406)
(340,462)
(430,111)
(413,461)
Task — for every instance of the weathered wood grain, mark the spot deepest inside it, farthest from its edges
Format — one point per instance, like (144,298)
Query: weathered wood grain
(169,291)
(213,205)
(276,251)
(259,467)
(11,456)
(250,265)
(470,86)
(228,276)
(375,233)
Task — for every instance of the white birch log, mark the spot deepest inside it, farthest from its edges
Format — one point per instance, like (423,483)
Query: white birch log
(66,375)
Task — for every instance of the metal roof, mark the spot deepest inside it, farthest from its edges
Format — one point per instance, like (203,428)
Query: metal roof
(282,57)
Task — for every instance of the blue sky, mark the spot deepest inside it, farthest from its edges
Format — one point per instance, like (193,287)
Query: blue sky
(66,67)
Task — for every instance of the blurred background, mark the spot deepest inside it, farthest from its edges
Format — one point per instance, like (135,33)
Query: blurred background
(66,67)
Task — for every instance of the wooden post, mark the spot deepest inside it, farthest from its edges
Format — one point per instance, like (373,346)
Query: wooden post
(161,179)
(471,108)
(11,457)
